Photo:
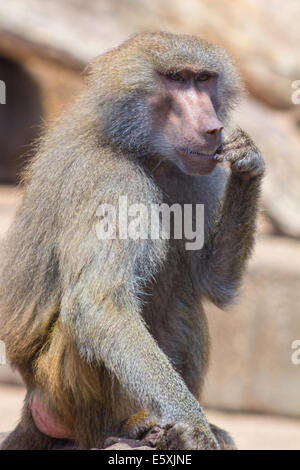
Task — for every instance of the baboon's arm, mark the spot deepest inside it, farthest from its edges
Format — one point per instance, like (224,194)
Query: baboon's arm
(231,237)
(112,332)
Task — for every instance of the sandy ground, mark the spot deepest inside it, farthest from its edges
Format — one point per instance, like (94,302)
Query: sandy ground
(250,431)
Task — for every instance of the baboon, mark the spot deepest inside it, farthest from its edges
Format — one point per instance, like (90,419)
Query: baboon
(110,335)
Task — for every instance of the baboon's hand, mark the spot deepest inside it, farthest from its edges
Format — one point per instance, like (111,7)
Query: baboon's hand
(184,436)
(243,155)
(171,436)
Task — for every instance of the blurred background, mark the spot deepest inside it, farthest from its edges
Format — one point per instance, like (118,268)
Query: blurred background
(253,387)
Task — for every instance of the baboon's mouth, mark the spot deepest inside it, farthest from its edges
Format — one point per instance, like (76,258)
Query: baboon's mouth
(194,153)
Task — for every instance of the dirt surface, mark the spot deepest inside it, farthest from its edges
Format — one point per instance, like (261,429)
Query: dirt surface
(250,431)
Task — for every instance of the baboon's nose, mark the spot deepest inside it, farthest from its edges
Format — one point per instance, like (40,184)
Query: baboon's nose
(215,130)
(213,134)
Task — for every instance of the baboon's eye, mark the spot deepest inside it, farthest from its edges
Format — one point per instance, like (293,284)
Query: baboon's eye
(174,76)
(203,76)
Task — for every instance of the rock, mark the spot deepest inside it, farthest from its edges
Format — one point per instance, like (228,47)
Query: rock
(251,367)
(119,443)
(3,436)
(73,31)
(112,443)
(267,51)
(279,141)
(8,376)
(9,199)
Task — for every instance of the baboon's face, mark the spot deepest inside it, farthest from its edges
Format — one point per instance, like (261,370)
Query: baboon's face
(186,129)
